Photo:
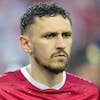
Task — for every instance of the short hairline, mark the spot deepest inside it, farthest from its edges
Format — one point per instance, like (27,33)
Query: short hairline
(29,14)
(28,26)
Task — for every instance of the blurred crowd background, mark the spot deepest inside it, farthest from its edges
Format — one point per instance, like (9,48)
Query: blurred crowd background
(85,56)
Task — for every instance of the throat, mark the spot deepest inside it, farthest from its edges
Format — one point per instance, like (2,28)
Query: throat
(45,77)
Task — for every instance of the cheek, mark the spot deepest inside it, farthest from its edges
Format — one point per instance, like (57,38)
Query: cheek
(68,46)
(42,51)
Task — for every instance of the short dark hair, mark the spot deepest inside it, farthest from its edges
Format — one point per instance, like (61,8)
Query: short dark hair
(41,9)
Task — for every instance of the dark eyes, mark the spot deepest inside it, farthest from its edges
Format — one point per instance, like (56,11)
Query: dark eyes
(52,35)
(66,34)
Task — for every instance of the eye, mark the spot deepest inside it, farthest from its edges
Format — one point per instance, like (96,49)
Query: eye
(50,35)
(66,34)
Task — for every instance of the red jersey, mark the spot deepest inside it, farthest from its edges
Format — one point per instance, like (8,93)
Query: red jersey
(14,86)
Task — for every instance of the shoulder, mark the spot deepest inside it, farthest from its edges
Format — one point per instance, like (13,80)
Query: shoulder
(79,80)
(9,78)
(81,84)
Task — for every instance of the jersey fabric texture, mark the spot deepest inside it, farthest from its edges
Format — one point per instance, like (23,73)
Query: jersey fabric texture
(14,86)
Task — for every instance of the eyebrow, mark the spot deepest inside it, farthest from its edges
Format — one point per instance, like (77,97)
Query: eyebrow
(68,32)
(57,32)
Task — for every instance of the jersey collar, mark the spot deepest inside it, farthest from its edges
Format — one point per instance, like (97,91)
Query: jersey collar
(39,85)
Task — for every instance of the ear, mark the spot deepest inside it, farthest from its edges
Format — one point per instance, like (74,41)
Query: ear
(25,43)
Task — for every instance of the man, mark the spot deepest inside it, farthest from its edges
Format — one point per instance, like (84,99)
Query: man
(47,38)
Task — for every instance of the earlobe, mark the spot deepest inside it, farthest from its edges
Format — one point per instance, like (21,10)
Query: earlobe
(25,43)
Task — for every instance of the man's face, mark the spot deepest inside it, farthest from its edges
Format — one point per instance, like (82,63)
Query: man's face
(51,42)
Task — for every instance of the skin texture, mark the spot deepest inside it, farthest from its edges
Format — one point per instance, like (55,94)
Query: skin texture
(48,42)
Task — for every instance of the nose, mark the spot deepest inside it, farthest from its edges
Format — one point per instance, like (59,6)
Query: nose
(60,43)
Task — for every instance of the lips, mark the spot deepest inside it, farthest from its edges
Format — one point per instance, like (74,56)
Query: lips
(60,55)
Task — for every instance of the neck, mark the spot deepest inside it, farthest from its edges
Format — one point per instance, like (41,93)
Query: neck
(43,76)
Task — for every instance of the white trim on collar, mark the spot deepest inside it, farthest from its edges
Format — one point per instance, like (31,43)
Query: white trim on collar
(39,85)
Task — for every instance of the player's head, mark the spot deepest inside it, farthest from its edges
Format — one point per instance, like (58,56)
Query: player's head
(47,36)
(40,10)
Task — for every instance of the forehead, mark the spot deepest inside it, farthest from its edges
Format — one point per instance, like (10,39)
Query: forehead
(50,24)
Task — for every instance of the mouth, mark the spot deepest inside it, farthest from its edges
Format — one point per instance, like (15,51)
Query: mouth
(60,56)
